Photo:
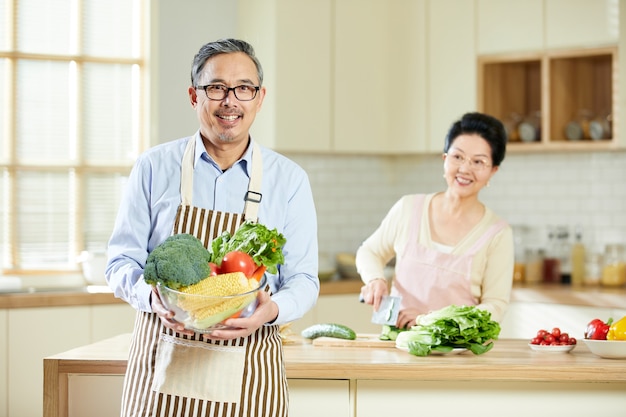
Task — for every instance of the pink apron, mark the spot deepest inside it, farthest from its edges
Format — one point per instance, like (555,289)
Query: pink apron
(170,374)
(428,279)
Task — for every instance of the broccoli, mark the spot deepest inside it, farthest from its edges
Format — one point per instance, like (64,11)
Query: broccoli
(179,261)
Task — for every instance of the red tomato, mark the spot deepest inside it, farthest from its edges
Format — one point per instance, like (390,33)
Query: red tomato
(549,338)
(542,333)
(214,269)
(238,262)
(572,341)
(556,332)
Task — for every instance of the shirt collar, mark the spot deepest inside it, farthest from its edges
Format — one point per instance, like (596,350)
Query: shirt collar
(200,152)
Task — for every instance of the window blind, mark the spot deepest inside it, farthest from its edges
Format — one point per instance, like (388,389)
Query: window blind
(70,125)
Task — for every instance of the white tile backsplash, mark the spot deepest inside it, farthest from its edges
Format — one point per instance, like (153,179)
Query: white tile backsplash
(353,193)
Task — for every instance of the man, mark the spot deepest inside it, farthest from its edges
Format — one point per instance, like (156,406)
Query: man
(223,177)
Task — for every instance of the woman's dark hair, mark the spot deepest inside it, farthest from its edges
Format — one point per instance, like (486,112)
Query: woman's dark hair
(223,46)
(487,127)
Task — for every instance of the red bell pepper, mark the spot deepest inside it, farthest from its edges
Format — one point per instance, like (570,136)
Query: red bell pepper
(597,329)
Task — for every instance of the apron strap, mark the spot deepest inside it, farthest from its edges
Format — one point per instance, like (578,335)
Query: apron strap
(253,196)
(186,172)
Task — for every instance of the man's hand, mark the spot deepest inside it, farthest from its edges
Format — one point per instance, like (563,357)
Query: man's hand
(167,316)
(266,311)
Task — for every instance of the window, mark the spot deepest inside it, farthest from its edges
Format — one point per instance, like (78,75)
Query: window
(71,125)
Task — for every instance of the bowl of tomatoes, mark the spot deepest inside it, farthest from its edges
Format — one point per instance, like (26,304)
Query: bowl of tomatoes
(552,341)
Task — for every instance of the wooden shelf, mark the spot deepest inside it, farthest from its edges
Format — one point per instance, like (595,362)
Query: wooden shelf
(553,89)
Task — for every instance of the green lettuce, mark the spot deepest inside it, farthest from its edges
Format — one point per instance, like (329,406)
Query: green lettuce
(265,246)
(450,328)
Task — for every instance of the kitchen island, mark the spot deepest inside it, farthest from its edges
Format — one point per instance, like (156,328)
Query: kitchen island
(351,381)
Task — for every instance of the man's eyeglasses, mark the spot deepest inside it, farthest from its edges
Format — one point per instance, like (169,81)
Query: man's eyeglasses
(220,92)
(458,160)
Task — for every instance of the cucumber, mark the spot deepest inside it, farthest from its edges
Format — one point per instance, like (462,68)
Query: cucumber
(335,330)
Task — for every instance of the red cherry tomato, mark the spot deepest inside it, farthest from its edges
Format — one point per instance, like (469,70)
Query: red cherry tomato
(237,261)
(214,269)
(556,332)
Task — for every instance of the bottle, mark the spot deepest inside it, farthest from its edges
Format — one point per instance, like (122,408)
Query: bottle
(551,262)
(564,254)
(578,259)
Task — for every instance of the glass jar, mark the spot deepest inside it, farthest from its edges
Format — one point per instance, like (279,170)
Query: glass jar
(534,266)
(614,266)
(593,268)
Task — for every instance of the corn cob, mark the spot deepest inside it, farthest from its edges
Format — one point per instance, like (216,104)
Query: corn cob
(216,286)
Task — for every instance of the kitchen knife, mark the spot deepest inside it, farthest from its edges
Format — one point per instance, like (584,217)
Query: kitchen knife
(387,313)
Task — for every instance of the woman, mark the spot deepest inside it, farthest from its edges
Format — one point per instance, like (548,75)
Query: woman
(449,247)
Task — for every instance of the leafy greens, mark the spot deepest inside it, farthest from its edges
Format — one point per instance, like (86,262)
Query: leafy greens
(448,328)
(262,244)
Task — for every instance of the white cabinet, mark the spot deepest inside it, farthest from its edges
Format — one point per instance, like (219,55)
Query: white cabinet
(452,70)
(34,333)
(342,309)
(100,396)
(30,334)
(379,80)
(343,76)
(581,23)
(522,320)
(473,398)
(509,25)
(109,320)
(313,398)
(4,349)
(293,41)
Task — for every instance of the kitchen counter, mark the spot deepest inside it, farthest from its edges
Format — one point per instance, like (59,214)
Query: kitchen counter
(551,294)
(510,365)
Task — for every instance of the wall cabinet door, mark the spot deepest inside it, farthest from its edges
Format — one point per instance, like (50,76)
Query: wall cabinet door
(379,78)
(293,41)
(581,23)
(509,26)
(451,67)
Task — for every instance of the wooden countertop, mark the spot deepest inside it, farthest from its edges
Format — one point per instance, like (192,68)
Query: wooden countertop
(553,294)
(509,360)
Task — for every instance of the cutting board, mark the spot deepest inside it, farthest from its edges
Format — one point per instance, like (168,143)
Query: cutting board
(362,340)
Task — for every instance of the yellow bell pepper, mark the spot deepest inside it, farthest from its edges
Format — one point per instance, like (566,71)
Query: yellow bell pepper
(617,331)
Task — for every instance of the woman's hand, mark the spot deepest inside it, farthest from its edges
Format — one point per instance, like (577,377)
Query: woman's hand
(167,316)
(406,318)
(265,312)
(374,291)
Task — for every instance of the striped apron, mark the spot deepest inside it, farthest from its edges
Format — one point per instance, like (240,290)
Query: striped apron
(174,375)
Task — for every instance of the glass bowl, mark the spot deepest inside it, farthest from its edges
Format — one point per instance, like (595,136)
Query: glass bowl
(611,349)
(204,313)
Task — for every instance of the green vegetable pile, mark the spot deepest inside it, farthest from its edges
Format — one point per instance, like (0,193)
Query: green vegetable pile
(179,261)
(262,244)
(448,328)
